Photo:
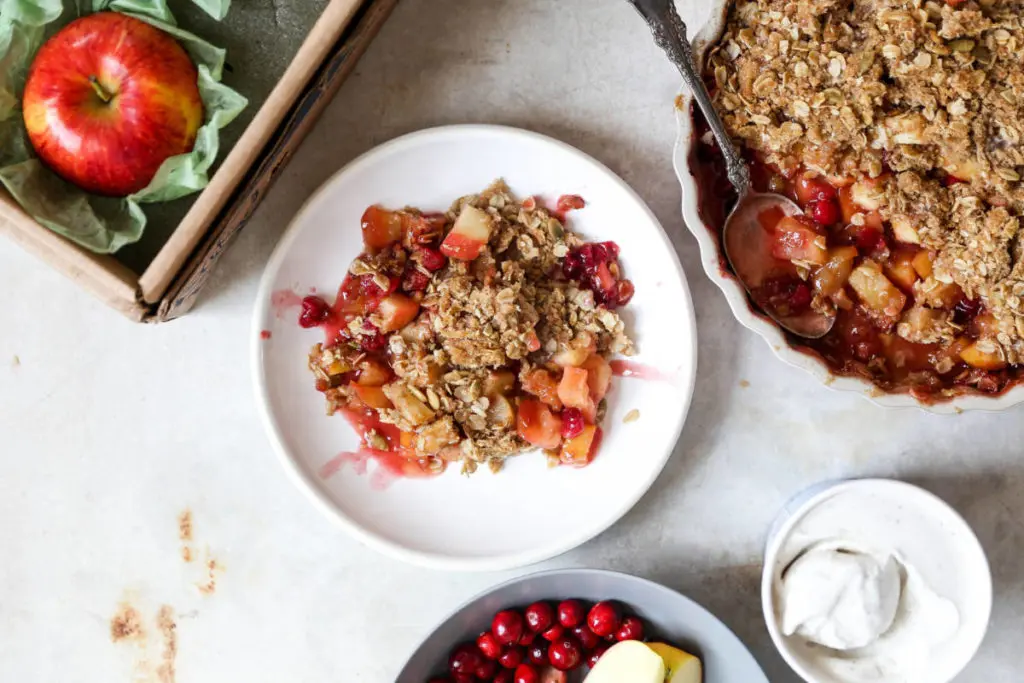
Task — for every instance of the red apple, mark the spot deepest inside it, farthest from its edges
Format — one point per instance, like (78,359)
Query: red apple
(108,99)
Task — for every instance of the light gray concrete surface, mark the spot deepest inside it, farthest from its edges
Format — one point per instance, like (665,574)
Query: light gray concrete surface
(109,430)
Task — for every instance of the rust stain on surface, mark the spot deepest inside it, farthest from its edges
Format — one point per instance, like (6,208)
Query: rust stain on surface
(209,587)
(185,534)
(169,634)
(126,624)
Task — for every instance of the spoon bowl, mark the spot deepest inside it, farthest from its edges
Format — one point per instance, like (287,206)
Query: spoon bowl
(746,243)
(748,247)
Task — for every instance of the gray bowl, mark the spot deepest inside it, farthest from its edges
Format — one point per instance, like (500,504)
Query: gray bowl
(668,616)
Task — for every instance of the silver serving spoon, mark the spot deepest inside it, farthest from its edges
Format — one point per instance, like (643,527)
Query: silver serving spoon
(746,243)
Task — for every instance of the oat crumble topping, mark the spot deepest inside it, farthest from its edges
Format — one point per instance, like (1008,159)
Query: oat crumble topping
(921,105)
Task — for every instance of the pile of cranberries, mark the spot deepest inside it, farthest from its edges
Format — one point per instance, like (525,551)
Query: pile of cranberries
(596,267)
(542,642)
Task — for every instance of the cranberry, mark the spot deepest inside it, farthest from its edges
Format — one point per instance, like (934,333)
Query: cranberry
(527,638)
(966,310)
(432,259)
(314,311)
(486,670)
(631,629)
(463,678)
(624,291)
(538,654)
(595,655)
(504,676)
(511,657)
(612,248)
(825,211)
(540,616)
(553,632)
(507,627)
(951,180)
(604,618)
(568,202)
(465,659)
(489,645)
(415,281)
(373,342)
(526,673)
(786,295)
(565,653)
(572,423)
(588,639)
(572,266)
(570,613)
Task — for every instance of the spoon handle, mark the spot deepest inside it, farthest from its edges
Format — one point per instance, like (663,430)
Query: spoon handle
(670,35)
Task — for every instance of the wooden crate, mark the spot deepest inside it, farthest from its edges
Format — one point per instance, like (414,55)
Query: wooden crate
(170,284)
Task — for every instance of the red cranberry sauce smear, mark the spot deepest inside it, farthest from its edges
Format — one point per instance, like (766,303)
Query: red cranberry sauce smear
(835,236)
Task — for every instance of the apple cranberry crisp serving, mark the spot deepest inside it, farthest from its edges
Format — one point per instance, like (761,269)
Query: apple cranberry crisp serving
(473,335)
(897,125)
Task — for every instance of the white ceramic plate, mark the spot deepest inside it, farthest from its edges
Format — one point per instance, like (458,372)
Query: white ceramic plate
(705,21)
(526,513)
(668,616)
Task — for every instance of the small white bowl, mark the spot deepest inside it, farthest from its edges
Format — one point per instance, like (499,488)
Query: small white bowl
(965,567)
(705,20)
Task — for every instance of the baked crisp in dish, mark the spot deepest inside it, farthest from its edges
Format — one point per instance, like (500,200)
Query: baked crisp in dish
(473,335)
(898,126)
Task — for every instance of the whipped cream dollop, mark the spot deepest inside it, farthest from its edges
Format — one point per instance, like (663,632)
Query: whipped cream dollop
(871,586)
(840,598)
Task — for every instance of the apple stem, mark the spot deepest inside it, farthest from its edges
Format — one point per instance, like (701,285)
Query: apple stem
(103,94)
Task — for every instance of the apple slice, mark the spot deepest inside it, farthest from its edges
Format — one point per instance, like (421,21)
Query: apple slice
(867,194)
(499,382)
(373,373)
(574,391)
(985,355)
(599,375)
(396,311)
(541,384)
(373,396)
(876,291)
(832,276)
(536,424)
(630,661)
(903,229)
(900,269)
(412,409)
(581,449)
(797,239)
(680,666)
(468,236)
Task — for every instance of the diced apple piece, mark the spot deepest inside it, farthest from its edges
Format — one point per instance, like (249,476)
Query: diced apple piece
(373,373)
(437,435)
(499,382)
(984,355)
(680,666)
(571,358)
(965,169)
(935,294)
(581,449)
(903,229)
(599,376)
(984,325)
(923,264)
(798,240)
(373,396)
(907,129)
(812,188)
(922,325)
(412,408)
(468,236)
(541,384)
(537,425)
(574,391)
(396,311)
(876,291)
(500,412)
(900,269)
(832,276)
(867,194)
(381,228)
